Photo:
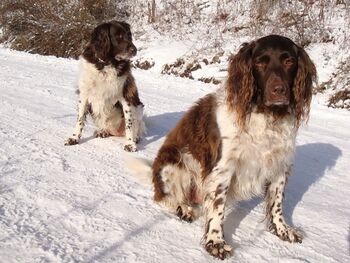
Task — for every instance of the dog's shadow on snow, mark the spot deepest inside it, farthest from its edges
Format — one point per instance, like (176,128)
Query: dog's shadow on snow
(310,165)
(159,126)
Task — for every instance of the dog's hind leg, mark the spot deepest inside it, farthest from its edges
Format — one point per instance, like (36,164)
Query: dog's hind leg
(175,186)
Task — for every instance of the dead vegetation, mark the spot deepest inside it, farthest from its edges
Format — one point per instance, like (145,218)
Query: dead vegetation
(185,66)
(341,99)
(57,28)
(340,84)
(212,80)
(144,64)
(181,68)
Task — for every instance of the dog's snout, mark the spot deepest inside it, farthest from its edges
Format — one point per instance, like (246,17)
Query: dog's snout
(278,89)
(133,50)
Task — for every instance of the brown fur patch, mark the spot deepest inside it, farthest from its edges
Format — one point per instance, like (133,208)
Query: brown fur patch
(130,92)
(197,133)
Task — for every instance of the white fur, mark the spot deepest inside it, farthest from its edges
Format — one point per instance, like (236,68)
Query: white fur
(262,153)
(102,89)
(177,181)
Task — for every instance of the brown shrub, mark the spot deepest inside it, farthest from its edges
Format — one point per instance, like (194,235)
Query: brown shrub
(210,80)
(341,99)
(143,64)
(181,68)
(57,28)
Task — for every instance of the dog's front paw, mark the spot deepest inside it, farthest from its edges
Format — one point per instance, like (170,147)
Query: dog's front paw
(71,141)
(219,249)
(287,233)
(130,147)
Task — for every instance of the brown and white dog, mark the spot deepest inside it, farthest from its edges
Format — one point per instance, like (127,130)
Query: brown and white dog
(238,142)
(107,89)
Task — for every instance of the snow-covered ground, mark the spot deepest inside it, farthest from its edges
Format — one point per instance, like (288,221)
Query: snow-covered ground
(79,204)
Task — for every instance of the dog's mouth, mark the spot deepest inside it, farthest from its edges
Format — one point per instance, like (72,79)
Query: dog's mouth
(280,102)
(125,56)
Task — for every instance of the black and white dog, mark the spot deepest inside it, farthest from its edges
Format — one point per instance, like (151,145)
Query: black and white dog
(107,89)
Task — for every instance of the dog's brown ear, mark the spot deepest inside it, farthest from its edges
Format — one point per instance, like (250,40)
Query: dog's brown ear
(303,83)
(100,41)
(240,82)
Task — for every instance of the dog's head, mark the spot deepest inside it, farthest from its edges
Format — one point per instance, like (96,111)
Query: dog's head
(272,73)
(112,41)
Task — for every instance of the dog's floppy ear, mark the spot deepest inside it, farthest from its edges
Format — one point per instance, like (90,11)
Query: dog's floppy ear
(303,83)
(240,82)
(100,41)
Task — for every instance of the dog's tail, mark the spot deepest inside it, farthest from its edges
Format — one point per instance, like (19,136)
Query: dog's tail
(140,168)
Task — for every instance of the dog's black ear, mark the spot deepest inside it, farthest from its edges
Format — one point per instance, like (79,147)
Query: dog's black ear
(100,41)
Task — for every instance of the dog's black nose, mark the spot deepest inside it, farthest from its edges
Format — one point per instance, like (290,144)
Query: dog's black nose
(278,90)
(133,50)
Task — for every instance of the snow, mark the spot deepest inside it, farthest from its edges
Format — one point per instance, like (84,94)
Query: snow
(163,50)
(79,204)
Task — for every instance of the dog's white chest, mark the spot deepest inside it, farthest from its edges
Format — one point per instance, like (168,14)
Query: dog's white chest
(101,85)
(262,152)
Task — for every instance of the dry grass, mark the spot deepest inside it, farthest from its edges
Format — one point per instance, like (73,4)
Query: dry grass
(341,99)
(57,28)
(144,64)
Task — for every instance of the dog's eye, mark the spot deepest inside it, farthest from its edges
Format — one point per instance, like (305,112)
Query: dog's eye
(289,62)
(119,37)
(262,62)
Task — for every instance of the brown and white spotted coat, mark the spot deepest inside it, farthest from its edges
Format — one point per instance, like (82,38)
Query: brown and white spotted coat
(107,89)
(238,142)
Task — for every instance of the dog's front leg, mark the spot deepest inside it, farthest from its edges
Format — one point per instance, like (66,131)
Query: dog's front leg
(274,210)
(216,187)
(82,112)
(130,126)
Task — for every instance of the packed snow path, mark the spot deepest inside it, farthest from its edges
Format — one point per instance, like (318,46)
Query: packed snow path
(79,204)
